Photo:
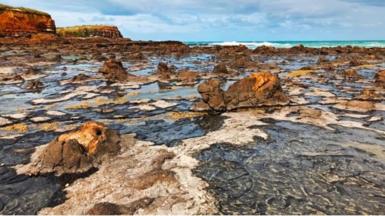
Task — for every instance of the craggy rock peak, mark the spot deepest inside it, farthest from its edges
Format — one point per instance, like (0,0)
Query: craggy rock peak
(77,151)
(114,71)
(90,31)
(258,89)
(24,22)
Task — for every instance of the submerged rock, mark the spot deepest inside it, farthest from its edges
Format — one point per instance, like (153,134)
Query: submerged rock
(106,208)
(34,85)
(80,77)
(77,151)
(114,71)
(255,90)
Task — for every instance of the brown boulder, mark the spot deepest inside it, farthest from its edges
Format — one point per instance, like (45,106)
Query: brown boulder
(351,75)
(261,88)
(188,77)
(258,89)
(212,94)
(380,78)
(114,71)
(164,71)
(220,69)
(78,151)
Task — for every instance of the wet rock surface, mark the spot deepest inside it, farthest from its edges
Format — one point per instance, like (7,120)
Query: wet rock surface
(319,151)
(21,194)
(299,169)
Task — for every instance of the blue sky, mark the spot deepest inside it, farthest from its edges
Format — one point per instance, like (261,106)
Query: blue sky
(224,20)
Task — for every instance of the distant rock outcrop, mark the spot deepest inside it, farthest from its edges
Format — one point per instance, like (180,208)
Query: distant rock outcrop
(90,31)
(16,22)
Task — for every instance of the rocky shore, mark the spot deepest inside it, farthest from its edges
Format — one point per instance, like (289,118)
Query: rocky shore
(106,125)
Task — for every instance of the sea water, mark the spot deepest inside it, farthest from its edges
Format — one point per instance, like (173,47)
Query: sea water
(288,44)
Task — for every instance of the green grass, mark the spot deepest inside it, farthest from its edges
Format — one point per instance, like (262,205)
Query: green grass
(22,9)
(80,31)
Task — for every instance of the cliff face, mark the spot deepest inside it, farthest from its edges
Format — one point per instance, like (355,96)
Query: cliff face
(23,22)
(90,31)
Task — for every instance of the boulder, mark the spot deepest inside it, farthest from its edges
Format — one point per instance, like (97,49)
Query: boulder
(380,78)
(261,88)
(164,71)
(351,75)
(258,89)
(114,71)
(188,77)
(24,22)
(212,94)
(220,69)
(77,151)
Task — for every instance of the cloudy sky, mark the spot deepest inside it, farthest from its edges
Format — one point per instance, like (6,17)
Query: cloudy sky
(224,20)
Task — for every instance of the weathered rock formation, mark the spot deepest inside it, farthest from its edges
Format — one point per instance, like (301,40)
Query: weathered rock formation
(212,94)
(258,89)
(24,22)
(380,78)
(90,31)
(114,71)
(164,71)
(188,77)
(220,69)
(77,151)
(351,75)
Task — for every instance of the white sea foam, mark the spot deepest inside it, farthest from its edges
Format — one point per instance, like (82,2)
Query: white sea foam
(289,44)
(253,45)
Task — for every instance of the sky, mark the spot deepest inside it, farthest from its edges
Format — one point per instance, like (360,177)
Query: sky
(224,20)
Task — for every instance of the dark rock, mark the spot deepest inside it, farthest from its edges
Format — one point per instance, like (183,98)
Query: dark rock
(212,94)
(164,71)
(114,71)
(34,85)
(80,77)
(106,208)
(220,69)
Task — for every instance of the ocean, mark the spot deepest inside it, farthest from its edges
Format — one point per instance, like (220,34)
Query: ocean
(288,44)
